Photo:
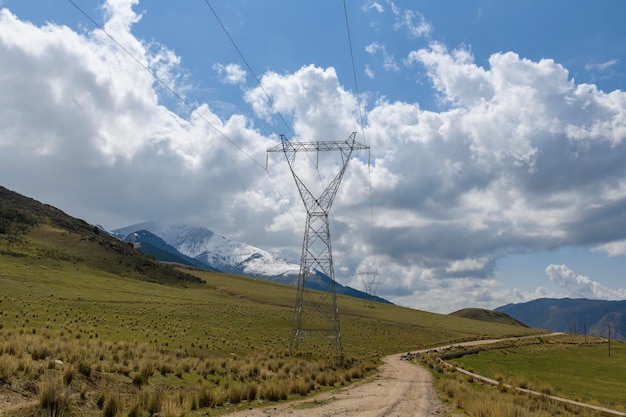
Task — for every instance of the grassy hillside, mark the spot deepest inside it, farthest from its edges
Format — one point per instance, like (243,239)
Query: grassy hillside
(34,231)
(487,315)
(90,325)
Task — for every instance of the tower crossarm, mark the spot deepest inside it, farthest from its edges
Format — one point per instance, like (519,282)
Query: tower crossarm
(322,146)
(325,200)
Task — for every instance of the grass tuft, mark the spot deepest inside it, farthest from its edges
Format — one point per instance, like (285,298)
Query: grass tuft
(54,398)
(8,367)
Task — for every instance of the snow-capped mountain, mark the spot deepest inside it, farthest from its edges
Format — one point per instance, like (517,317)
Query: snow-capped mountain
(222,254)
(217,251)
(151,244)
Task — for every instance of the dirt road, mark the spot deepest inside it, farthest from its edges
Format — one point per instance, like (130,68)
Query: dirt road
(400,389)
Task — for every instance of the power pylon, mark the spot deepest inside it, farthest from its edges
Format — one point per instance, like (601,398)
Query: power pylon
(370,284)
(316,312)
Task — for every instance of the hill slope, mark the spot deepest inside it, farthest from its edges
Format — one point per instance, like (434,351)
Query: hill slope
(32,230)
(488,316)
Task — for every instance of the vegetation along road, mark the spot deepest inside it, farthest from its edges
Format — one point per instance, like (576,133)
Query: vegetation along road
(399,389)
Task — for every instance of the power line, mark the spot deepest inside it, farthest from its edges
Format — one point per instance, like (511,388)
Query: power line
(258,81)
(186,104)
(358,98)
(269,98)
(194,110)
(163,83)
(245,61)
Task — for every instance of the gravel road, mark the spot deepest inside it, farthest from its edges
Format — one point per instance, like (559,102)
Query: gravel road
(400,389)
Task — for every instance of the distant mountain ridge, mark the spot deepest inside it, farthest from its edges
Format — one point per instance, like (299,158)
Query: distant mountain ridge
(216,252)
(578,316)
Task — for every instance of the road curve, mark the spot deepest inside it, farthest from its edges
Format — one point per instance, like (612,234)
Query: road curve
(400,389)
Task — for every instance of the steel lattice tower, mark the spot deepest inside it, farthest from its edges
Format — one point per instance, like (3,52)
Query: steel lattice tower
(316,312)
(370,284)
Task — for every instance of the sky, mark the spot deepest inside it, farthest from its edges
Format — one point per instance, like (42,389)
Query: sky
(497,132)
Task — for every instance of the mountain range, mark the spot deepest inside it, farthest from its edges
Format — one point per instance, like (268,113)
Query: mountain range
(580,316)
(201,247)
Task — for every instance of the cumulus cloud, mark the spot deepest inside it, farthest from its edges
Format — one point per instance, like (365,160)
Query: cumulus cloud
(580,285)
(313,97)
(518,158)
(75,103)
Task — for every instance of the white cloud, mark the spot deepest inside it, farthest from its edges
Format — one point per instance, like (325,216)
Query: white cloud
(601,66)
(616,248)
(580,285)
(86,120)
(389,61)
(231,73)
(373,5)
(519,158)
(373,48)
(413,22)
(320,107)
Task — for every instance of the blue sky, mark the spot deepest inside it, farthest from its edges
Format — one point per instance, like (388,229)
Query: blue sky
(497,132)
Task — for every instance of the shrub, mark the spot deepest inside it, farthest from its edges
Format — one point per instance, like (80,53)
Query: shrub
(8,367)
(84,368)
(112,406)
(234,394)
(39,352)
(357,372)
(165,368)
(203,397)
(171,409)
(102,396)
(54,398)
(249,391)
(218,397)
(68,375)
(136,408)
(299,386)
(146,370)
(155,400)
(326,378)
(273,391)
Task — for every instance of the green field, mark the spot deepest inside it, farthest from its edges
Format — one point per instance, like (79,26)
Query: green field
(566,366)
